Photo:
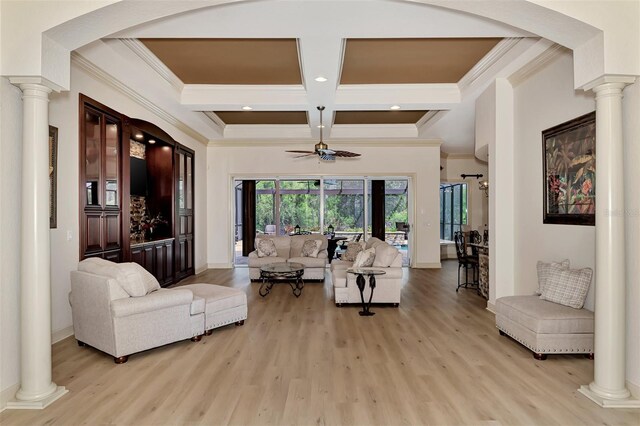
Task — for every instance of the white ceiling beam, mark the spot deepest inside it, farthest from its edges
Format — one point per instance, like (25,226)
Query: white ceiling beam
(267,131)
(373,131)
(407,96)
(228,97)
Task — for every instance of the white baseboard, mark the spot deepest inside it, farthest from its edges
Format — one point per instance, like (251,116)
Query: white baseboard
(201,269)
(7,395)
(219,266)
(634,389)
(427,265)
(491,307)
(59,335)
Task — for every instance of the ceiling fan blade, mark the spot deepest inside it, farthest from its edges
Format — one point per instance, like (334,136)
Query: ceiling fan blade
(305,155)
(302,152)
(345,154)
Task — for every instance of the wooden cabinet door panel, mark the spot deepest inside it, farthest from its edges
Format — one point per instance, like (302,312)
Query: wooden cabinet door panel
(137,256)
(148,259)
(160,264)
(111,230)
(113,256)
(189,244)
(168,250)
(93,232)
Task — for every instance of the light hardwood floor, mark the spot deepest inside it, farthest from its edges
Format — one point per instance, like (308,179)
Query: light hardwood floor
(437,359)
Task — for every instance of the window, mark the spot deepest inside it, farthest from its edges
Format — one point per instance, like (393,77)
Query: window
(453,209)
(344,205)
(299,205)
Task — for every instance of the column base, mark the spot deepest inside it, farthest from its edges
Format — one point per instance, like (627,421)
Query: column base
(606,402)
(38,404)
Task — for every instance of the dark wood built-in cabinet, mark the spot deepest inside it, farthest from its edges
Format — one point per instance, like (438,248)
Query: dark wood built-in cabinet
(114,184)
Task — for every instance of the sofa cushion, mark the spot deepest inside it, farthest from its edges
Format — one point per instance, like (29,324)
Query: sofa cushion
(567,287)
(385,254)
(256,262)
(543,272)
(127,275)
(310,248)
(353,248)
(372,242)
(297,241)
(282,242)
(340,264)
(150,282)
(544,317)
(339,278)
(365,258)
(309,262)
(266,247)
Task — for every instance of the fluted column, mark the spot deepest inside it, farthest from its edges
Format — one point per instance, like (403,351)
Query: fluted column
(609,386)
(36,388)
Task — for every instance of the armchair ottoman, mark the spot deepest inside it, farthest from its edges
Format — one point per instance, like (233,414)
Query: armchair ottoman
(222,305)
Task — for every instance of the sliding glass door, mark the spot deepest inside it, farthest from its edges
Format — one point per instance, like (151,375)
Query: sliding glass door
(314,204)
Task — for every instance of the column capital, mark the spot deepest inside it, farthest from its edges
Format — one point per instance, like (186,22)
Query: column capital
(35,82)
(609,79)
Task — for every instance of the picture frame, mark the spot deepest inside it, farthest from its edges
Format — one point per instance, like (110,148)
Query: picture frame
(53,177)
(569,166)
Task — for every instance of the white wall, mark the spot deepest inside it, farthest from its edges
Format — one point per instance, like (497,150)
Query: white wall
(631,129)
(543,101)
(63,114)
(422,162)
(10,207)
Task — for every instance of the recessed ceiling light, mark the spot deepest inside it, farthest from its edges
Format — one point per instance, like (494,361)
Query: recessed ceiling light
(139,136)
(152,141)
(394,107)
(320,79)
(247,108)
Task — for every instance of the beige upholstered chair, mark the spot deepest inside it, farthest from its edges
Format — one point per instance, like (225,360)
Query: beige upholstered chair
(120,309)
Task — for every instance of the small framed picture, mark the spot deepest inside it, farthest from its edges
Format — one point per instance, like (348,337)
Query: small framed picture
(569,187)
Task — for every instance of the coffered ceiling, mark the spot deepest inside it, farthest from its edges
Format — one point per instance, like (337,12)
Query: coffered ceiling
(391,73)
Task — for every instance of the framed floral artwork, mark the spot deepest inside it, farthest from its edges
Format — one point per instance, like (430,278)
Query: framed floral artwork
(53,177)
(569,151)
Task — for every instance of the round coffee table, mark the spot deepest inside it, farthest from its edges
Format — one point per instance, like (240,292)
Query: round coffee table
(289,272)
(360,281)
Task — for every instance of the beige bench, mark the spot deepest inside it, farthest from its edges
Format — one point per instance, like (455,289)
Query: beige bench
(545,327)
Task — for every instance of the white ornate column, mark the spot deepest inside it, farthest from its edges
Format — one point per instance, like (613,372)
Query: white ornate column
(608,388)
(36,388)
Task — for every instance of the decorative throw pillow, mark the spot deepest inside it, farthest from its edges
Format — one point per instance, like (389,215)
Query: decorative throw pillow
(310,248)
(385,254)
(353,248)
(567,287)
(365,258)
(266,248)
(126,275)
(543,272)
(150,282)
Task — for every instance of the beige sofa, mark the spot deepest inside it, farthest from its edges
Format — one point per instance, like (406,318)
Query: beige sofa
(545,327)
(120,309)
(289,249)
(388,286)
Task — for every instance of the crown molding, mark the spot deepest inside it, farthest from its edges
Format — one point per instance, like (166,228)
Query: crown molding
(214,117)
(381,143)
(103,76)
(428,117)
(537,64)
(494,55)
(137,47)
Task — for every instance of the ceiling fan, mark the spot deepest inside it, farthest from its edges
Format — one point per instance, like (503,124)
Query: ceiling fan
(322,149)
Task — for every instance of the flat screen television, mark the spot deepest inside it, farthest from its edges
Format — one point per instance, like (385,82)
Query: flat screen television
(138,177)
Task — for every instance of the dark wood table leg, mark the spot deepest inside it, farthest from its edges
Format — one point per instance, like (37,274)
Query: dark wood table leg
(360,281)
(265,287)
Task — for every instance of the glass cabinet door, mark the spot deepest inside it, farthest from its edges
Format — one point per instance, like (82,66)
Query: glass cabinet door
(93,157)
(112,166)
(181,181)
(189,178)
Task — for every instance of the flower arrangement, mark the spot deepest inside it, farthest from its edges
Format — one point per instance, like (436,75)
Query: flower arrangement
(148,225)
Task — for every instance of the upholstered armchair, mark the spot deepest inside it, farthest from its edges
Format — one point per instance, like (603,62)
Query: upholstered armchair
(120,309)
